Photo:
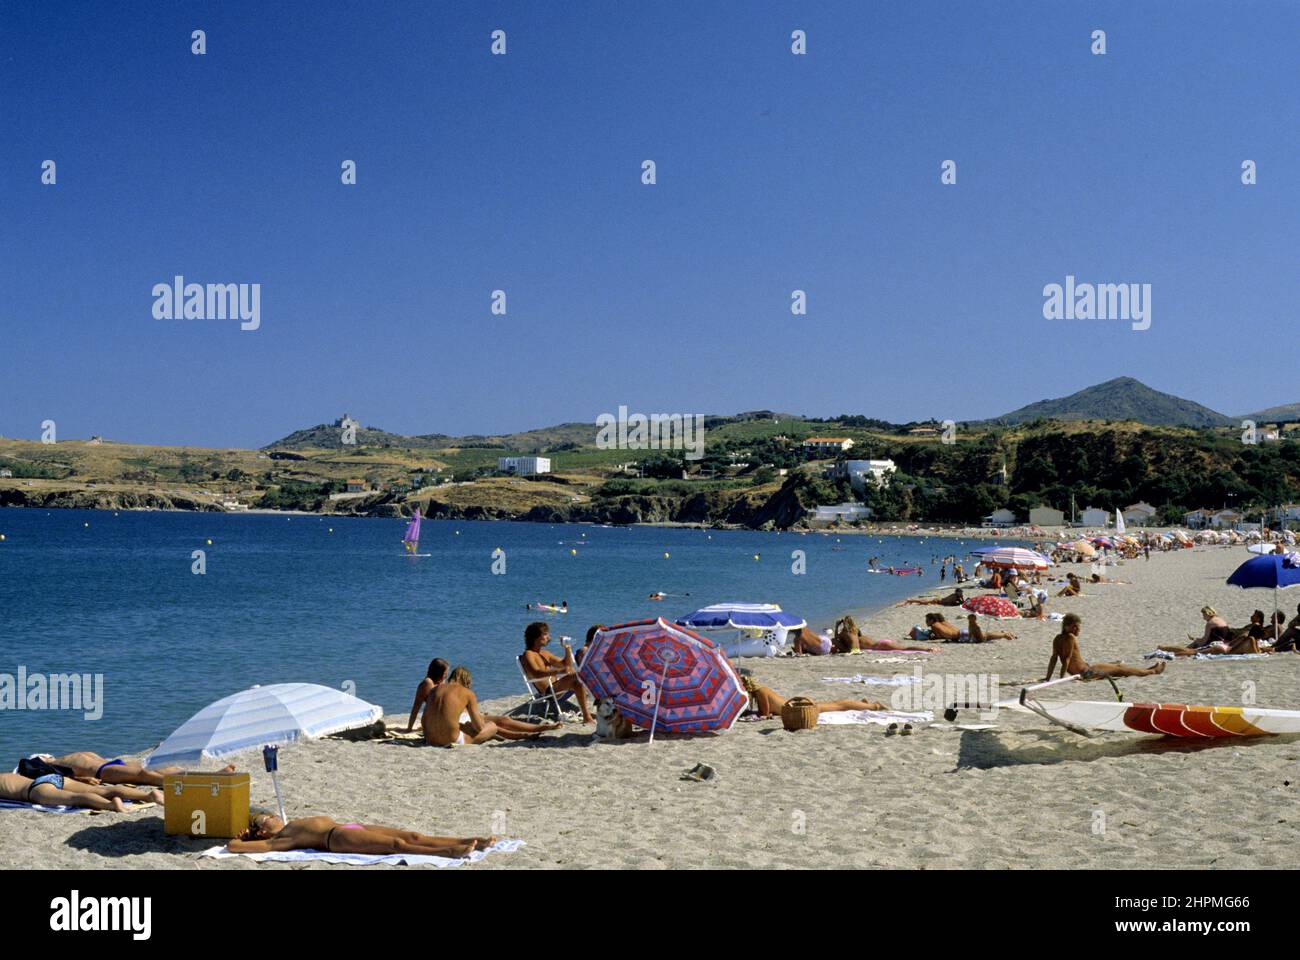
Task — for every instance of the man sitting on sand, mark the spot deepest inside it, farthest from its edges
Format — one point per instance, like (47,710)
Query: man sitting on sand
(269,834)
(954,599)
(1065,648)
(55,790)
(546,669)
(766,702)
(976,633)
(806,643)
(436,673)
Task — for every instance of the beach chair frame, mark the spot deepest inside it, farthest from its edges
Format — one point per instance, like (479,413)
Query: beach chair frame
(552,705)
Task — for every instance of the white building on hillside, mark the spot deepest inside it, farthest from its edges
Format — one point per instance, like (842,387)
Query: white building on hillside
(827,445)
(844,512)
(860,471)
(524,466)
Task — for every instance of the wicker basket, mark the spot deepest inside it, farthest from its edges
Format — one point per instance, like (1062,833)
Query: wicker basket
(799,713)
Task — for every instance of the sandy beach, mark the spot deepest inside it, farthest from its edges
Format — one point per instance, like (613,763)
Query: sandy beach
(1024,794)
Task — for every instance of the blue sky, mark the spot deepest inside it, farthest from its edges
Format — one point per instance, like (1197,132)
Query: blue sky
(522,172)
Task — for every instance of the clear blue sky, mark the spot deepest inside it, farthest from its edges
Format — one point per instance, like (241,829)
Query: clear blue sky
(522,172)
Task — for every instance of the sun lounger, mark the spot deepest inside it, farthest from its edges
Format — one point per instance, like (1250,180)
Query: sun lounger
(543,703)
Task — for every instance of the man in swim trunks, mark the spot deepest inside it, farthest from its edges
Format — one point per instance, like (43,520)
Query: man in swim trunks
(542,665)
(269,834)
(55,790)
(1065,648)
(435,675)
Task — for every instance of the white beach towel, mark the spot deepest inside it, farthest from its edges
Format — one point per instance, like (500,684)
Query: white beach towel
(918,658)
(1166,655)
(882,717)
(893,680)
(366,859)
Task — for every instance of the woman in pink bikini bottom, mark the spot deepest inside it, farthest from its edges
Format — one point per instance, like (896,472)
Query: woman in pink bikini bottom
(269,834)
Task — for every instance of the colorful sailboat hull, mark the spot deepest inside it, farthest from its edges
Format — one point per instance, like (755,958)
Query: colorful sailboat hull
(1169,719)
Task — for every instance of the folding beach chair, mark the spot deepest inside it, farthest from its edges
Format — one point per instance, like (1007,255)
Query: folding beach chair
(543,703)
(1015,596)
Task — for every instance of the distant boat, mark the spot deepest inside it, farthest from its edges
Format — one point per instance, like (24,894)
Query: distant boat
(411,539)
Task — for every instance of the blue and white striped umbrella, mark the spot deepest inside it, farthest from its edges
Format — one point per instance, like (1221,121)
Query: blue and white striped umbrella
(260,717)
(742,616)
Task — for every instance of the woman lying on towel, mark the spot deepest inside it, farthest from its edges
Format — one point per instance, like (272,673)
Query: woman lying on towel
(269,834)
(56,790)
(93,769)
(766,702)
(848,638)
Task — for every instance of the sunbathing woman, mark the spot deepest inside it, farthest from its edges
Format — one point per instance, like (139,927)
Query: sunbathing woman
(806,643)
(507,727)
(1217,638)
(547,671)
(848,638)
(269,834)
(55,790)
(954,599)
(766,702)
(1072,588)
(93,769)
(977,634)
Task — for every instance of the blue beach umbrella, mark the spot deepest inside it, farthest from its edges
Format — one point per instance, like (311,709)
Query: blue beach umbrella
(742,616)
(1275,570)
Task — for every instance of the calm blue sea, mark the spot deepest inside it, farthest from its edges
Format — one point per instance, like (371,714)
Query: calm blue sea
(332,600)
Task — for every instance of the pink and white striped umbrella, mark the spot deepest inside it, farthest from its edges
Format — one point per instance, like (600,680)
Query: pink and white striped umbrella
(1018,558)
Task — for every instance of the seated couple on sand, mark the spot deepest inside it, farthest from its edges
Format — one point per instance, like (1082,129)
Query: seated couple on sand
(937,628)
(846,638)
(766,702)
(1065,649)
(1219,638)
(452,716)
(267,833)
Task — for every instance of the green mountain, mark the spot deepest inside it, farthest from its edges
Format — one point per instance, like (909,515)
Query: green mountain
(1287,413)
(1123,398)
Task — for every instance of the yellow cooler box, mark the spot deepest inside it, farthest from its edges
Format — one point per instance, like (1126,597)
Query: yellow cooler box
(206,804)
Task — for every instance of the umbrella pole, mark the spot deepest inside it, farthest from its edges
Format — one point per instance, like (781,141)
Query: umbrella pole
(654,720)
(271,758)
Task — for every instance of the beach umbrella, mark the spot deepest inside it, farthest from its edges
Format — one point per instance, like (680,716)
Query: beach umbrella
(990,605)
(1018,558)
(263,718)
(660,674)
(1083,547)
(1277,570)
(741,616)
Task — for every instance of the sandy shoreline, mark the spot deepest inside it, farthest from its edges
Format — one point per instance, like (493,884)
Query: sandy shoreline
(1022,795)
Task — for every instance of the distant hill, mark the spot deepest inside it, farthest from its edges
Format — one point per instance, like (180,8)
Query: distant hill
(1123,398)
(1289,412)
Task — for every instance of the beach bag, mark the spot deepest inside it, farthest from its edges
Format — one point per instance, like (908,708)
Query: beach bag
(799,713)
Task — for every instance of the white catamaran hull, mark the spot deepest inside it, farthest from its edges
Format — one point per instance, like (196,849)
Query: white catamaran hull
(1168,719)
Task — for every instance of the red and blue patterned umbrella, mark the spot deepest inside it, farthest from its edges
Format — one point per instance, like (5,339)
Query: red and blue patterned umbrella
(664,675)
(991,605)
